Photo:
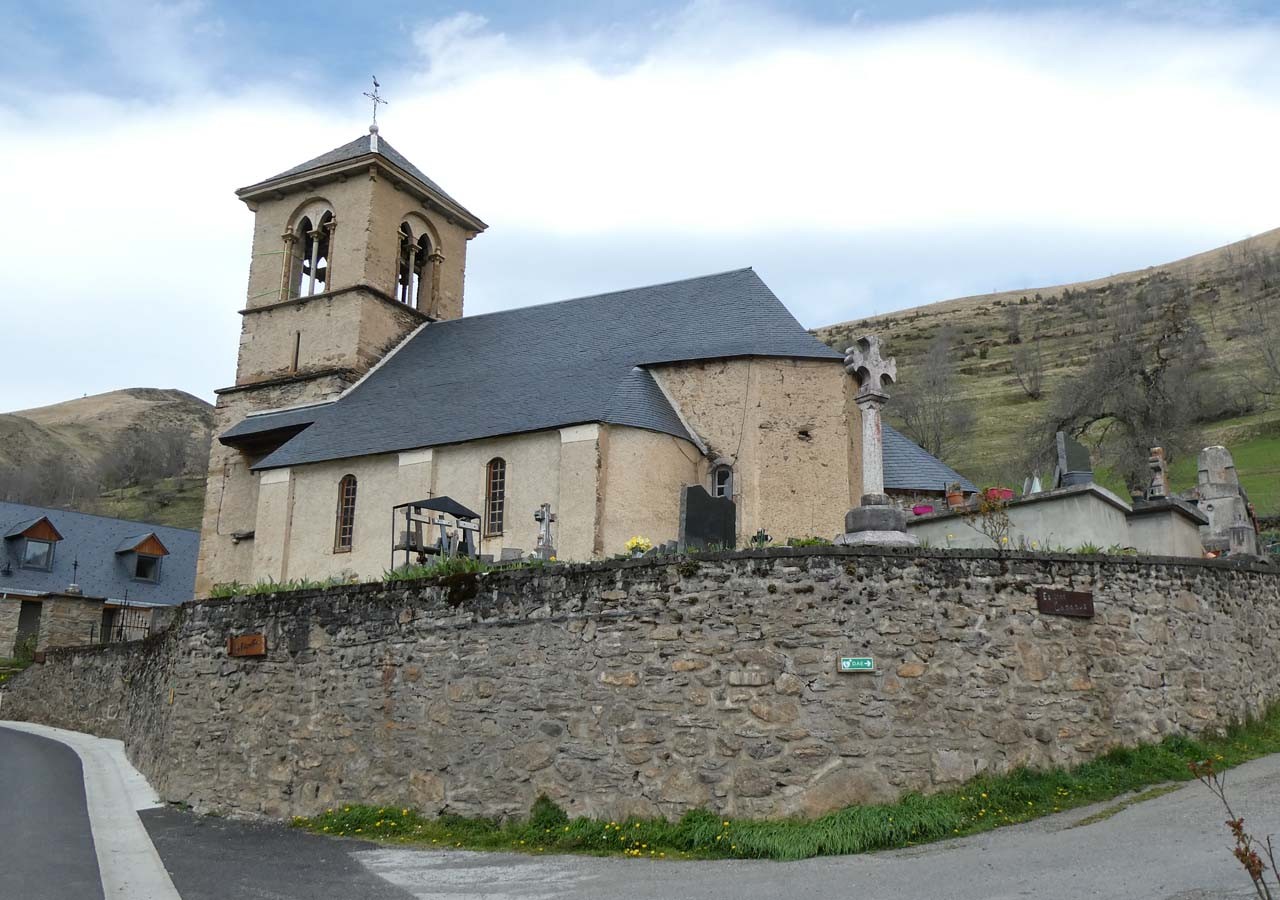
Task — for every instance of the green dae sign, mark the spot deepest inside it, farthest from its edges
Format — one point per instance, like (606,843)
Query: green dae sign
(857,664)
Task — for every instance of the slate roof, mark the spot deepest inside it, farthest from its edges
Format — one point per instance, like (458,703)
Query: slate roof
(93,541)
(264,423)
(909,467)
(548,366)
(361,146)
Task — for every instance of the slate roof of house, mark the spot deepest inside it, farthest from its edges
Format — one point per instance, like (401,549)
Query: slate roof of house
(548,366)
(93,542)
(909,467)
(361,146)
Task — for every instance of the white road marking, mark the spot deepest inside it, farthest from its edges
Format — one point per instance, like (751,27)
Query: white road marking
(130,867)
(465,875)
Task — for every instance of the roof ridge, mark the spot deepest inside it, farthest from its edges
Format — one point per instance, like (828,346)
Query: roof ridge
(54,509)
(638,287)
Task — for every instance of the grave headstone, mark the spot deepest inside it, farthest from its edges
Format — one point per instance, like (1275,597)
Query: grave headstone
(1159,488)
(706,521)
(1219,495)
(545,547)
(1074,463)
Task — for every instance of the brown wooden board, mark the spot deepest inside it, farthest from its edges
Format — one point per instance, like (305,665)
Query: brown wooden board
(1058,602)
(247,645)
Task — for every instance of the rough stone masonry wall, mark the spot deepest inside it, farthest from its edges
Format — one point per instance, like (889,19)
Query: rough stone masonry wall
(652,686)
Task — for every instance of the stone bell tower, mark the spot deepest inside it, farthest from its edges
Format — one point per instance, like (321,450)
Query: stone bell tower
(352,252)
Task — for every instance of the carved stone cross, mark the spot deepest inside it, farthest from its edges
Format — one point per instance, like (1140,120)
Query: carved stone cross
(874,374)
(545,547)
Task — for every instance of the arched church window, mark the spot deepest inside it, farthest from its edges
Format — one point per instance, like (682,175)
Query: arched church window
(310,256)
(495,495)
(345,527)
(722,481)
(411,265)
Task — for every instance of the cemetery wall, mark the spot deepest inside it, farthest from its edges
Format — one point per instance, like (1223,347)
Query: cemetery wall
(651,686)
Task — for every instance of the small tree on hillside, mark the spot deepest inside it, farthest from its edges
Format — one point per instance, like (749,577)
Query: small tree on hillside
(1143,387)
(929,403)
(1028,368)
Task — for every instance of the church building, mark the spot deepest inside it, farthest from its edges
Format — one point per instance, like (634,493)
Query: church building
(360,385)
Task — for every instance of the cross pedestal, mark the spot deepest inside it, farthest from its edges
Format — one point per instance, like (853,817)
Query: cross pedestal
(875,520)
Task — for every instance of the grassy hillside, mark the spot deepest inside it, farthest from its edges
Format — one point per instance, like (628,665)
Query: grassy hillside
(1071,322)
(138,453)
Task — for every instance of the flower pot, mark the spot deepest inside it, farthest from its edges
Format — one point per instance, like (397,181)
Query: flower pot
(999,493)
(955,499)
(922,509)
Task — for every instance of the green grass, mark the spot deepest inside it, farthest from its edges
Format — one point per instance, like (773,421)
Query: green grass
(270,586)
(980,805)
(11,667)
(178,502)
(1103,814)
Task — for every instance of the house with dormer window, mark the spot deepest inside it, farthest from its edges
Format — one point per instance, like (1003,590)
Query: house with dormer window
(70,578)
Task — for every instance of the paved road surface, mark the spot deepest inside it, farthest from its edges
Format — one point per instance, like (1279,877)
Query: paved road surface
(1173,847)
(46,847)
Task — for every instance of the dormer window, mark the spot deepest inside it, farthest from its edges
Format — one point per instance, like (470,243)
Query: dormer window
(146,568)
(37,554)
(35,541)
(140,555)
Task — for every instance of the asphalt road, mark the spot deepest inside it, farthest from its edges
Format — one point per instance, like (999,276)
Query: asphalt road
(46,847)
(1172,847)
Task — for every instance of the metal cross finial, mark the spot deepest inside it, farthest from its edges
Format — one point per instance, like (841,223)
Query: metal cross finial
(873,372)
(376,98)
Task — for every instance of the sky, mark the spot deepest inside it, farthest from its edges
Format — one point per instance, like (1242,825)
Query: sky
(862,157)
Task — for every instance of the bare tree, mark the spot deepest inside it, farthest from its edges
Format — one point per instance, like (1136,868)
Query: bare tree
(928,402)
(1144,387)
(1028,368)
(1013,320)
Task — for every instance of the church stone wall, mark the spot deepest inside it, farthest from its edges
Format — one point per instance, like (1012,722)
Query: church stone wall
(657,685)
(782,423)
(231,489)
(644,472)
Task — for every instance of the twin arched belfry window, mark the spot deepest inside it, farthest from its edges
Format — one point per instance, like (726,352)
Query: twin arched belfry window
(309,251)
(413,266)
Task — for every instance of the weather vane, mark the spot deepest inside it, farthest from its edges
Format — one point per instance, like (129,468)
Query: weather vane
(376,100)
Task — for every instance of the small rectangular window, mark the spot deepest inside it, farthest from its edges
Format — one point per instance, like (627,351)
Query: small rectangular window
(37,554)
(147,568)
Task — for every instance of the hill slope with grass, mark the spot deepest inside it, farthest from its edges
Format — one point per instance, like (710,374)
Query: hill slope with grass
(1231,290)
(138,453)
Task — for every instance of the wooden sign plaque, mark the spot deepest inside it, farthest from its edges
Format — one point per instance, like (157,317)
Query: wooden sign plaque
(247,645)
(1059,602)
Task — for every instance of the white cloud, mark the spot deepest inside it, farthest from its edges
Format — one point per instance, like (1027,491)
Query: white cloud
(856,167)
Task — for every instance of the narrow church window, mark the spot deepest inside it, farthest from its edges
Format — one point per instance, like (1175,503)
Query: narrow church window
(346,522)
(495,496)
(722,482)
(297,349)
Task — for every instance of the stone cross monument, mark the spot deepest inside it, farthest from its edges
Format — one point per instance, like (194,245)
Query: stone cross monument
(545,548)
(876,520)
